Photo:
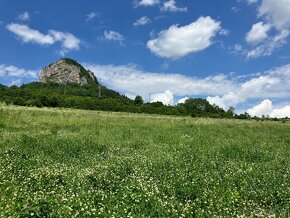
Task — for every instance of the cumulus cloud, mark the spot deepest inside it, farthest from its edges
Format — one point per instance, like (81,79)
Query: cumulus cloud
(266,108)
(166,98)
(272,84)
(269,46)
(258,33)
(142,21)
(182,100)
(113,36)
(177,42)
(276,13)
(146,2)
(170,6)
(24,16)
(281,112)
(28,35)
(217,100)
(130,79)
(276,16)
(69,41)
(15,72)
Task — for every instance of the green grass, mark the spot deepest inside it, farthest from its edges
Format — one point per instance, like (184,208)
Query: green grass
(73,163)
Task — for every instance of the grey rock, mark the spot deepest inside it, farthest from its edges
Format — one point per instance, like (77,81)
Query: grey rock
(66,71)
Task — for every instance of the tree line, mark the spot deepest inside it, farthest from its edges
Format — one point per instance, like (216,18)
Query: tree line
(97,97)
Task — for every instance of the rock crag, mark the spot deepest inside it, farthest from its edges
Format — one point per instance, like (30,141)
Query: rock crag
(66,71)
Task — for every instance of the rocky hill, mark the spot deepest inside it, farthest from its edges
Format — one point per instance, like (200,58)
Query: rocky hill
(66,71)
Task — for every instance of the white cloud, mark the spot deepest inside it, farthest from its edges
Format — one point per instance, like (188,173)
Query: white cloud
(238,48)
(258,33)
(24,16)
(217,101)
(177,42)
(142,21)
(170,5)
(272,84)
(91,16)
(224,32)
(235,9)
(273,32)
(252,1)
(254,88)
(182,100)
(128,78)
(166,98)
(15,72)
(266,108)
(276,12)
(113,36)
(281,112)
(268,47)
(16,82)
(146,2)
(68,40)
(28,35)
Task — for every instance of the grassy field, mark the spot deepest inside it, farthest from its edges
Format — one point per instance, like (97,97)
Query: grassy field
(73,163)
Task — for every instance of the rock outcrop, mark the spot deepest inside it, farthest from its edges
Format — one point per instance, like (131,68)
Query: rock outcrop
(66,71)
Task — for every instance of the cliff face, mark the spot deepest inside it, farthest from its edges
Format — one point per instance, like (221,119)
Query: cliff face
(66,71)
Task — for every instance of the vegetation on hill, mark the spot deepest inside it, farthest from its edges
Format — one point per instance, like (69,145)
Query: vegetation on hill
(74,89)
(74,163)
(97,97)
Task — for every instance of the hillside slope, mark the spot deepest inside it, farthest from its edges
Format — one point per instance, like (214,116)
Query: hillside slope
(68,163)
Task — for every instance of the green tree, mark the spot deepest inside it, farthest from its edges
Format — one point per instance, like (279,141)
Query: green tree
(138,100)
(231,111)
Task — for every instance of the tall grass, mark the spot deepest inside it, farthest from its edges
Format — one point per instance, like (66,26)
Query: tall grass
(73,163)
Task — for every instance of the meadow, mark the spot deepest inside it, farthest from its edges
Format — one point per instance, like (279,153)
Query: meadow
(76,163)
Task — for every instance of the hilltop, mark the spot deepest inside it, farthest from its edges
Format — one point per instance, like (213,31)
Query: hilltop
(65,71)
(66,76)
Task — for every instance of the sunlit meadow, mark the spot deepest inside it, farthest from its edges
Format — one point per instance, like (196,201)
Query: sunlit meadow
(74,163)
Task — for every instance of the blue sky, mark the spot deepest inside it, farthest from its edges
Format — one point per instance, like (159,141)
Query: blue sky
(232,52)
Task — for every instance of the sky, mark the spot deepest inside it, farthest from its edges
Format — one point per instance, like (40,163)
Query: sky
(230,52)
